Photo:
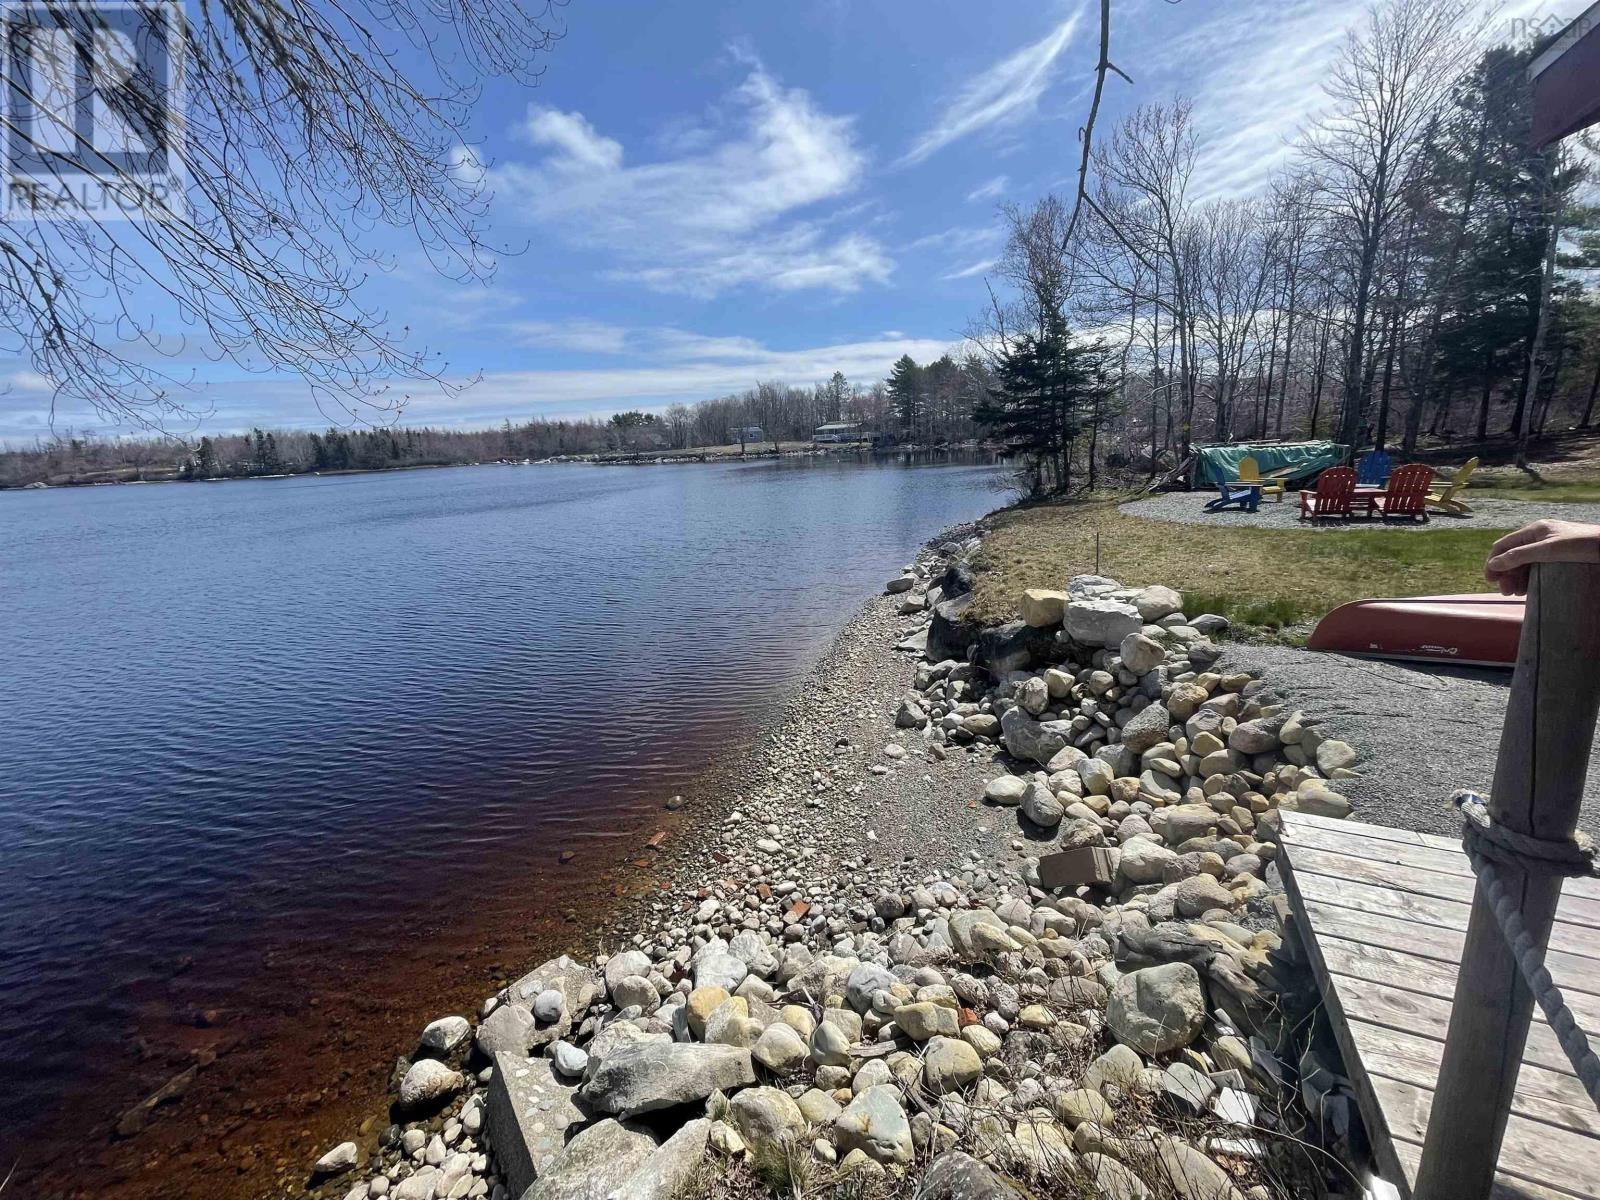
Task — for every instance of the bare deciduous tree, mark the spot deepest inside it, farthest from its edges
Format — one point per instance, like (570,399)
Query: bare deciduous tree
(1386,92)
(306,128)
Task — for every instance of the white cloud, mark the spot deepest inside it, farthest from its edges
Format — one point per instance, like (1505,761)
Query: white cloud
(956,237)
(1244,116)
(665,365)
(722,215)
(1006,91)
(589,337)
(718,367)
(977,268)
(1247,117)
(577,144)
(989,191)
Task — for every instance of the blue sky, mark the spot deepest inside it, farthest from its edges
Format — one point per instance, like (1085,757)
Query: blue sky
(715,193)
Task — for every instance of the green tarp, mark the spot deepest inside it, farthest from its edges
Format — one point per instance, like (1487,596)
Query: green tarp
(1295,460)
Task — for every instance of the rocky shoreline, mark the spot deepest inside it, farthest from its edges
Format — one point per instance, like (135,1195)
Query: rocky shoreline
(987,910)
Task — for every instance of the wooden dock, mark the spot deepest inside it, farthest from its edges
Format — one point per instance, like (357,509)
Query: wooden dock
(1383,915)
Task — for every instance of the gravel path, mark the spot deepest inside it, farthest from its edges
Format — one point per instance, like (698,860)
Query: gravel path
(1421,733)
(1187,508)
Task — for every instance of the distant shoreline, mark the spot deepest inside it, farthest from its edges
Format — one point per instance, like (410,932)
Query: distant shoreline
(705,455)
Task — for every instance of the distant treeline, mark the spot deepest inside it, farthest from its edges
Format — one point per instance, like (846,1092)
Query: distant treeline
(930,403)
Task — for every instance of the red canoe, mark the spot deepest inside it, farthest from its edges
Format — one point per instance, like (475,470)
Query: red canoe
(1472,630)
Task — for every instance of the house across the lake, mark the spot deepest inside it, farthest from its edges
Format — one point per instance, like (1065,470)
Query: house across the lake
(848,432)
(840,431)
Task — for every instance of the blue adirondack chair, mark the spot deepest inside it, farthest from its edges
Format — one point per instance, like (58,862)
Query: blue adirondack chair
(1246,499)
(1373,470)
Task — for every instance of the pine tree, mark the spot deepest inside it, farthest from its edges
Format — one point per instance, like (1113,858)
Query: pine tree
(205,459)
(906,393)
(1050,390)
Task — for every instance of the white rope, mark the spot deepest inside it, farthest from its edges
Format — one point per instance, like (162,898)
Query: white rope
(1537,855)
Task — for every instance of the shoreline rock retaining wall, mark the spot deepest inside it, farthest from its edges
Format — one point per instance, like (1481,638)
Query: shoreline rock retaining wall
(1120,1038)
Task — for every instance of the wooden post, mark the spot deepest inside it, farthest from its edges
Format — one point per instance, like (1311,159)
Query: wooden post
(1538,786)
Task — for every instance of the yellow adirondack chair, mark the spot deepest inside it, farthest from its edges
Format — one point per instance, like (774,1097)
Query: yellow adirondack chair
(1445,498)
(1250,472)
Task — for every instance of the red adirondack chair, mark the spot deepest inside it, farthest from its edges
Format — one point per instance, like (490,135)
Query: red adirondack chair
(1406,493)
(1334,495)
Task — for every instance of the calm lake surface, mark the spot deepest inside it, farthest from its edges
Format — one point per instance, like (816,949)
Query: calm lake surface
(247,727)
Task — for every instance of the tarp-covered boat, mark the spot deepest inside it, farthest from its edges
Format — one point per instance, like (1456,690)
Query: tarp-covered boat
(1293,462)
(1470,630)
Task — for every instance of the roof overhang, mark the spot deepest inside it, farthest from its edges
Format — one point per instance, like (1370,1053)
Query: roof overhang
(1566,80)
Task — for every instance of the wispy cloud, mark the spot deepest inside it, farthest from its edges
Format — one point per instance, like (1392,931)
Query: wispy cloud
(977,268)
(585,337)
(992,190)
(1006,91)
(1247,118)
(667,365)
(737,206)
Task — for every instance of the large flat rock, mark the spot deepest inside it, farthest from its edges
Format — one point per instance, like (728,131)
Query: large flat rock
(528,1115)
(595,1163)
(647,1076)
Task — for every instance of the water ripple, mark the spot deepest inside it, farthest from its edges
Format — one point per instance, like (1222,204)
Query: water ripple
(252,716)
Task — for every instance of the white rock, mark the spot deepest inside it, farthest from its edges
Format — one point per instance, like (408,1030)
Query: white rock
(1100,622)
(445,1034)
(341,1158)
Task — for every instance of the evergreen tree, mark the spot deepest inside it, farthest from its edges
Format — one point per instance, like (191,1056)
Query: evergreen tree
(205,460)
(907,395)
(1050,390)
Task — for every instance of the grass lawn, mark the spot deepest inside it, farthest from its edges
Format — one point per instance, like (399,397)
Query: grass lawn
(1551,485)
(1268,580)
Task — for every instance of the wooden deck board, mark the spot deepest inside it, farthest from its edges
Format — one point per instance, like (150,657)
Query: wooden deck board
(1383,915)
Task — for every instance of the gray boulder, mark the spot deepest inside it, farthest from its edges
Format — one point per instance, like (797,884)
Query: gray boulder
(1158,1009)
(1156,602)
(957,1176)
(1100,622)
(621,966)
(1039,805)
(573,980)
(876,1124)
(964,922)
(445,1034)
(1147,728)
(667,1173)
(1030,740)
(1005,791)
(600,1159)
(651,1075)
(428,1081)
(765,1117)
(1141,654)
(719,968)
(864,980)
(510,1027)
(950,633)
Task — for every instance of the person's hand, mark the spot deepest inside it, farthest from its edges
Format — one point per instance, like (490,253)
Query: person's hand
(1543,541)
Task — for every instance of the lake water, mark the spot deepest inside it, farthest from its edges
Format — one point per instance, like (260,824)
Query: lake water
(277,756)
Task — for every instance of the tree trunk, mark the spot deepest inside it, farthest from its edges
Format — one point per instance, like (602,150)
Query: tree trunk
(1355,353)
(1322,363)
(1483,399)
(1546,284)
(1594,390)
(1549,399)
(1396,330)
(1288,352)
